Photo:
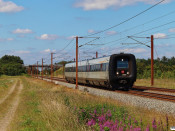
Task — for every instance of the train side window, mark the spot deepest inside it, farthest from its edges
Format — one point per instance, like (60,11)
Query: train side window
(107,64)
(96,67)
(84,68)
(104,66)
(99,67)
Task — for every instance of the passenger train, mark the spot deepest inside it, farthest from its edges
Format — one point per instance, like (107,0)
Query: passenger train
(115,71)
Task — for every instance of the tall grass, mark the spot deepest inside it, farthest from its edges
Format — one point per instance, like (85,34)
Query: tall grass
(45,106)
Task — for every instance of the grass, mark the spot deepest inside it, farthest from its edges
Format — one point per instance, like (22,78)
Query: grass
(48,107)
(5,84)
(59,73)
(162,83)
(7,103)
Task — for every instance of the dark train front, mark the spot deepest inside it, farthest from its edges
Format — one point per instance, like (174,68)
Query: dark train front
(122,71)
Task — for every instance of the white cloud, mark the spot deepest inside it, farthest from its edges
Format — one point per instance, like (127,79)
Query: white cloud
(160,35)
(10,39)
(6,39)
(22,31)
(111,32)
(22,52)
(48,51)
(71,37)
(48,37)
(138,50)
(172,30)
(9,7)
(104,4)
(91,31)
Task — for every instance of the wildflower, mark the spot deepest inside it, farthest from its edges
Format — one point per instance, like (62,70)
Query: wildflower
(102,110)
(120,122)
(95,111)
(137,129)
(107,124)
(147,128)
(154,122)
(91,122)
(154,126)
(131,127)
(120,129)
(109,114)
(114,127)
(129,117)
(101,119)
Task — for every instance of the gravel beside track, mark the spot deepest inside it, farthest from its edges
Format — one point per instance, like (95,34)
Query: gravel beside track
(151,104)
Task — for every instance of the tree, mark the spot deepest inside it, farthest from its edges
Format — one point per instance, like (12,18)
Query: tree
(11,65)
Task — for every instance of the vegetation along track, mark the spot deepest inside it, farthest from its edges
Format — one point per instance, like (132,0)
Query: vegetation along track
(139,91)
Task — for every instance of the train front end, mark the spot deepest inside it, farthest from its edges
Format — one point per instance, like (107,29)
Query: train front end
(122,71)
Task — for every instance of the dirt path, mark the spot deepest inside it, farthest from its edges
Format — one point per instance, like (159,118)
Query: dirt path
(10,112)
(9,93)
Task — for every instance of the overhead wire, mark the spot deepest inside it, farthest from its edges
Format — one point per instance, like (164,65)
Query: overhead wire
(127,19)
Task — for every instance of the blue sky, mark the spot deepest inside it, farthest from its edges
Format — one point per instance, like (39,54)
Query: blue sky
(33,29)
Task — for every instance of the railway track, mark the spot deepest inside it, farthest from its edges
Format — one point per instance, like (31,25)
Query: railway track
(164,97)
(154,89)
(139,91)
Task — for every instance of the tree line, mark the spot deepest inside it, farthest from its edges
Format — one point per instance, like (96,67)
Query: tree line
(11,65)
(163,68)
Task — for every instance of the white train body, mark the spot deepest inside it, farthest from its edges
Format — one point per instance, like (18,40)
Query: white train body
(93,71)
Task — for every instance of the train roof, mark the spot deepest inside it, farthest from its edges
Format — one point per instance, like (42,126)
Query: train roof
(90,62)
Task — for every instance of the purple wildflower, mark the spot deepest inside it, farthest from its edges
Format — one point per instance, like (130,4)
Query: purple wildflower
(120,122)
(107,124)
(154,126)
(136,122)
(101,119)
(109,114)
(120,129)
(147,128)
(95,111)
(91,122)
(129,117)
(102,110)
(131,127)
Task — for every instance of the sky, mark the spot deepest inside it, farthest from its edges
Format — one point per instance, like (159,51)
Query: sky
(32,29)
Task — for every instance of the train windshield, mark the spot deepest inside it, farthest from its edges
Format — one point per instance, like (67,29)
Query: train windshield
(122,63)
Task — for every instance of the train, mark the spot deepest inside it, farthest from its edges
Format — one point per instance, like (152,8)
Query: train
(117,71)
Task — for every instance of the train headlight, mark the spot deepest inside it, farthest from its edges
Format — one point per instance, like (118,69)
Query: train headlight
(127,73)
(117,73)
